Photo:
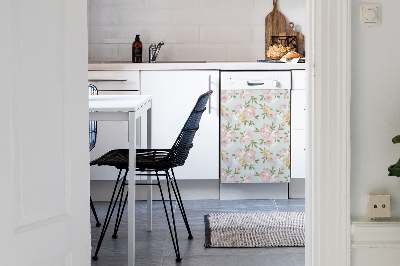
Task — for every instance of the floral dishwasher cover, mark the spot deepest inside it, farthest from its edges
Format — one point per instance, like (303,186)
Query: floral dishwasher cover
(255,136)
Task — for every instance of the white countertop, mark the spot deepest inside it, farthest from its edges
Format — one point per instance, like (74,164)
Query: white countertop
(196,66)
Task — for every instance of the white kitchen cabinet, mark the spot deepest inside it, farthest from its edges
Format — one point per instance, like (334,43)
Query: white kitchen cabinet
(174,96)
(112,134)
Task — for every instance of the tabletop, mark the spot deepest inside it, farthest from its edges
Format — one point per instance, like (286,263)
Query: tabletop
(122,103)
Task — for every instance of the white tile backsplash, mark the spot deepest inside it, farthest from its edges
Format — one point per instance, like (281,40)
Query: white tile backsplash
(104,16)
(192,30)
(199,16)
(103,52)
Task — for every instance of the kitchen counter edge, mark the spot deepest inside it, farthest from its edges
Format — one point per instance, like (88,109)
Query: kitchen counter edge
(194,66)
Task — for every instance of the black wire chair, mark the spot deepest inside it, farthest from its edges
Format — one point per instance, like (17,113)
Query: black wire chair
(154,160)
(92,143)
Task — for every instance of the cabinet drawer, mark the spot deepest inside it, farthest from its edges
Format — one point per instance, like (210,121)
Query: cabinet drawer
(298,154)
(298,109)
(115,80)
(298,79)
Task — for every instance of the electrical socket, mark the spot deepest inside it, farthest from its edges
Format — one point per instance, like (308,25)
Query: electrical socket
(378,206)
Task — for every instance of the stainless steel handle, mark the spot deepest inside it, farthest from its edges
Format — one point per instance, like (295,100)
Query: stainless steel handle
(254,83)
(100,80)
(209,99)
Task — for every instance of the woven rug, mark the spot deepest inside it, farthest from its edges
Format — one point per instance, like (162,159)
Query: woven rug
(238,230)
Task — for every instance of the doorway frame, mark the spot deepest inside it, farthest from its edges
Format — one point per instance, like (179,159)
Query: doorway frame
(328,223)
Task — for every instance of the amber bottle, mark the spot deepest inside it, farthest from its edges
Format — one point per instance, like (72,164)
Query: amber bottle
(137,50)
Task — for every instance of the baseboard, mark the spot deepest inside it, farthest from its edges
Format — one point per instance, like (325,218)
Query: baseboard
(375,242)
(254,191)
(297,188)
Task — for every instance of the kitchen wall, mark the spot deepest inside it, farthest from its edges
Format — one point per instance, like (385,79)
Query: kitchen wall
(375,120)
(193,30)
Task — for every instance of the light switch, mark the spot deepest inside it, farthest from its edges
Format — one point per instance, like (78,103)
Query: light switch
(369,14)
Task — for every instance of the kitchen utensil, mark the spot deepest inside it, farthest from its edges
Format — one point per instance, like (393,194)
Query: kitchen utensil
(292,32)
(275,23)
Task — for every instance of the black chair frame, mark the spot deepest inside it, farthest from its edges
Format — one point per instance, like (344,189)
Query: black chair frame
(154,162)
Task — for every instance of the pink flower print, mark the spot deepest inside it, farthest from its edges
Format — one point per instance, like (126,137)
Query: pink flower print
(283,152)
(231,135)
(248,93)
(250,112)
(265,176)
(224,98)
(223,131)
(226,116)
(250,156)
(283,168)
(268,142)
(286,96)
(283,125)
(248,135)
(231,179)
(275,135)
(223,92)
(265,92)
(239,108)
(265,131)
(231,92)
(248,179)
(241,96)
(238,168)
(223,175)
(224,142)
(241,140)
(275,178)
(239,152)
(283,108)
(275,92)
(268,98)
(238,125)
(271,115)
(286,140)
(226,160)
(271,159)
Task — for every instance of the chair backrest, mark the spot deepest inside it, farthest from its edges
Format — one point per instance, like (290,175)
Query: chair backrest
(180,150)
(92,124)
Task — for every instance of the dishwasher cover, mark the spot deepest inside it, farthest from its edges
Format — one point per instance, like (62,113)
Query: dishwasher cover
(255,136)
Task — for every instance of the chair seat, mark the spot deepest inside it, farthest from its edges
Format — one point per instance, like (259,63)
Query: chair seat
(146,159)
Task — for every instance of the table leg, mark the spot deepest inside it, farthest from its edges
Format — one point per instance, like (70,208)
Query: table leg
(132,190)
(149,178)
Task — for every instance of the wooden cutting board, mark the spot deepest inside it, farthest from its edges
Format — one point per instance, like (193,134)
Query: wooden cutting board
(292,32)
(275,23)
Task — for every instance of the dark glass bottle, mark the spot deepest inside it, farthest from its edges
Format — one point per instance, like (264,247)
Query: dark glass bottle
(137,50)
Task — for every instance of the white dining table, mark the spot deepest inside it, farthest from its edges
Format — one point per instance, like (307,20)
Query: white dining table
(127,108)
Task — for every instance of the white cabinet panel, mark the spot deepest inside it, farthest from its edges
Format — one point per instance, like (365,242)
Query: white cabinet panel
(298,154)
(298,109)
(298,79)
(174,96)
(115,80)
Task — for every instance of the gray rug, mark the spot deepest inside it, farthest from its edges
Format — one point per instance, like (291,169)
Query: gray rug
(238,230)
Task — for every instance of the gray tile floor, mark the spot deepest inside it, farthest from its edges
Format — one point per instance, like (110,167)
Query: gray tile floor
(155,248)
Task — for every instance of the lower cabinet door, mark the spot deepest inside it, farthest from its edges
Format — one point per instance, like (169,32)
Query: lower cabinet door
(298,153)
(174,96)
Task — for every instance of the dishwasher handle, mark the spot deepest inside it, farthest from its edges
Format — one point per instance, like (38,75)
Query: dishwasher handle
(249,83)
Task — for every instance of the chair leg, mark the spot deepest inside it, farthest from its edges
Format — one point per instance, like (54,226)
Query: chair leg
(180,203)
(109,213)
(120,211)
(174,239)
(94,213)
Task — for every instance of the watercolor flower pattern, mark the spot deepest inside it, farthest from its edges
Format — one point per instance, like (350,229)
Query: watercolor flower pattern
(255,136)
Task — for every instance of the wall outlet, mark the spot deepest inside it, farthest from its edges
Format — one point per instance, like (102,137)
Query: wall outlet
(378,206)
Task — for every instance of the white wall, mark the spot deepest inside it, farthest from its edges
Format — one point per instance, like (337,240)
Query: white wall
(375,108)
(375,120)
(193,30)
